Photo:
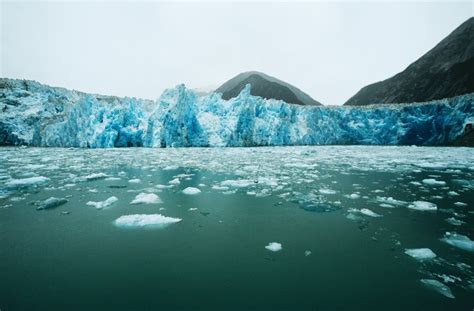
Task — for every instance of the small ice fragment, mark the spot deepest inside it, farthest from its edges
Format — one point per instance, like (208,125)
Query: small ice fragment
(459,241)
(423,206)
(191,191)
(146,198)
(237,183)
(95,176)
(274,247)
(27,181)
(353,196)
(174,181)
(420,253)
(51,203)
(453,193)
(460,204)
(438,286)
(327,191)
(144,220)
(103,204)
(416,183)
(134,181)
(454,221)
(307,253)
(370,213)
(113,178)
(433,182)
(192,209)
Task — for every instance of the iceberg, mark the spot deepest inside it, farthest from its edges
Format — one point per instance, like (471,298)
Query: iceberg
(459,241)
(103,204)
(146,198)
(438,286)
(145,220)
(274,247)
(420,253)
(38,115)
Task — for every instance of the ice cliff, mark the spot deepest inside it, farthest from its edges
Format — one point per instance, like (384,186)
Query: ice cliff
(38,115)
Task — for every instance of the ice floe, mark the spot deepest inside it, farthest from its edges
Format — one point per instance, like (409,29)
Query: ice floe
(274,247)
(459,241)
(191,191)
(420,253)
(103,204)
(51,203)
(23,182)
(433,182)
(145,220)
(146,198)
(423,206)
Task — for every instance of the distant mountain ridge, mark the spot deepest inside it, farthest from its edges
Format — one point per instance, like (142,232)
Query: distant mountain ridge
(265,86)
(447,70)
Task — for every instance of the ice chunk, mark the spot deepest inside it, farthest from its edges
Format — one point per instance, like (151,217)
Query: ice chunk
(191,191)
(438,286)
(27,181)
(370,213)
(174,181)
(433,182)
(103,204)
(237,183)
(455,222)
(420,253)
(423,206)
(390,201)
(307,253)
(460,204)
(327,191)
(353,196)
(145,220)
(459,241)
(135,181)
(453,193)
(95,176)
(146,198)
(50,203)
(274,247)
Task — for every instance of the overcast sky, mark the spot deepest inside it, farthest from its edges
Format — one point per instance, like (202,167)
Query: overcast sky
(329,50)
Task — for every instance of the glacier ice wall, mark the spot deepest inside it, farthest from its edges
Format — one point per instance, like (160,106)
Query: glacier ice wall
(39,115)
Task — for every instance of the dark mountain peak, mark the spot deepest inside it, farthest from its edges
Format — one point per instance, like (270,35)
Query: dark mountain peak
(265,86)
(447,70)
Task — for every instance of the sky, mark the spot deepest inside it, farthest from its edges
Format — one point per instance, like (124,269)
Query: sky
(327,49)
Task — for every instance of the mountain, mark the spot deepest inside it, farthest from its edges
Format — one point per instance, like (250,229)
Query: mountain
(39,115)
(445,71)
(265,86)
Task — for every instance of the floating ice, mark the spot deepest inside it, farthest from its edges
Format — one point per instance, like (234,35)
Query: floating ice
(390,201)
(307,253)
(459,241)
(103,204)
(174,181)
(145,220)
(370,213)
(146,198)
(438,286)
(460,204)
(353,196)
(274,247)
(420,253)
(433,182)
(26,181)
(455,222)
(238,183)
(327,191)
(191,191)
(453,193)
(51,203)
(95,176)
(423,206)
(135,181)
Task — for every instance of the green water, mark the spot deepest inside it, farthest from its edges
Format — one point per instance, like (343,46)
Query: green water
(215,258)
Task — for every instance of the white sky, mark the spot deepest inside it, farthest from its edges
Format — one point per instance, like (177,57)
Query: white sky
(329,50)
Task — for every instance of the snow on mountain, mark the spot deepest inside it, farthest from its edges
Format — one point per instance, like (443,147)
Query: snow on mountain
(38,115)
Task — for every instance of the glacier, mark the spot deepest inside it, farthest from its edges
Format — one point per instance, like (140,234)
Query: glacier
(34,114)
